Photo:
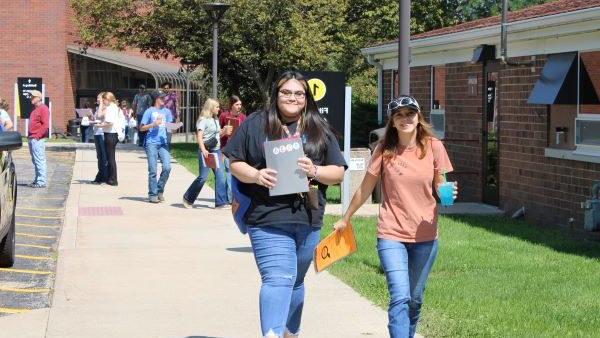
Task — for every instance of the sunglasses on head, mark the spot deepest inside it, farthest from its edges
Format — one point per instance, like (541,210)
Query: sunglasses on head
(403,101)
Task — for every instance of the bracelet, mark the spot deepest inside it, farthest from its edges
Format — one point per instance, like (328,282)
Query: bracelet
(315,177)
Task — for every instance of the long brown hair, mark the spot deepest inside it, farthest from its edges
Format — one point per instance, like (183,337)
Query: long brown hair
(389,144)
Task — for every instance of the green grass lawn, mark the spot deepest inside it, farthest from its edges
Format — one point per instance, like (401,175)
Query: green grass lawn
(494,277)
(187,155)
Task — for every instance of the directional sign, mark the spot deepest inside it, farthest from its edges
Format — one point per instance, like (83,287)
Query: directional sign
(328,89)
(25,86)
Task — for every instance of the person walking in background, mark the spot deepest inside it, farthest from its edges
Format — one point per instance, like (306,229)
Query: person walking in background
(111,126)
(409,162)
(227,119)
(141,102)
(208,137)
(284,230)
(5,121)
(102,174)
(84,125)
(127,115)
(157,147)
(38,131)
(170,103)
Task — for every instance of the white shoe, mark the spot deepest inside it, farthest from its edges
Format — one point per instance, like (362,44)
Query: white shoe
(224,207)
(186,204)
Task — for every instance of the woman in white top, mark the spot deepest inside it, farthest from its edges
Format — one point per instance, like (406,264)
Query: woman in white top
(111,127)
(99,142)
(5,121)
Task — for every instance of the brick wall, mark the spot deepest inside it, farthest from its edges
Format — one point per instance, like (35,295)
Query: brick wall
(35,34)
(550,189)
(463,129)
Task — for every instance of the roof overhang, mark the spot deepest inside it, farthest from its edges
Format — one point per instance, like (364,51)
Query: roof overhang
(159,70)
(541,35)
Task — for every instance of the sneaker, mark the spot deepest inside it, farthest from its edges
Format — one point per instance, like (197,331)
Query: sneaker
(161,197)
(186,204)
(224,207)
(153,199)
(37,186)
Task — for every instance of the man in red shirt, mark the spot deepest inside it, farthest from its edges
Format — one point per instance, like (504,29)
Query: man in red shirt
(38,131)
(227,120)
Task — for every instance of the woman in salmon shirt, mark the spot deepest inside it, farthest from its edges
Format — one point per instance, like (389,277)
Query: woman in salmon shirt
(410,161)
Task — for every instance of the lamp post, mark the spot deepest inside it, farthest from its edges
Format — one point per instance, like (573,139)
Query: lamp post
(187,67)
(215,11)
(403,48)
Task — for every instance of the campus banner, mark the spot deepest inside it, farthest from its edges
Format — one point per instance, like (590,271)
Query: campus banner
(328,89)
(24,86)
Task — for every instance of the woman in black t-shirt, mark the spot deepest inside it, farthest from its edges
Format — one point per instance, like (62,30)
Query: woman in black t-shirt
(284,230)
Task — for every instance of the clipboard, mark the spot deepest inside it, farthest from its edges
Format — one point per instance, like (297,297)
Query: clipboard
(334,247)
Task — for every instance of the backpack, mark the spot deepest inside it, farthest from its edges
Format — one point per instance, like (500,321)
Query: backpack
(240,204)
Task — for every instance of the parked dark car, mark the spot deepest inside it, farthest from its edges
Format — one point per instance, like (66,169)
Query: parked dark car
(9,141)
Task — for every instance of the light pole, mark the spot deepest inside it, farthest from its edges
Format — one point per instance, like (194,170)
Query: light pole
(403,48)
(187,66)
(215,11)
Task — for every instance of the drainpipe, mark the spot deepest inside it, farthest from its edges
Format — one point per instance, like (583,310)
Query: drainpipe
(504,40)
(373,62)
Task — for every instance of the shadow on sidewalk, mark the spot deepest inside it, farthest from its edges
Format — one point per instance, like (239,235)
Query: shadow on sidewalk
(134,198)
(240,249)
(195,206)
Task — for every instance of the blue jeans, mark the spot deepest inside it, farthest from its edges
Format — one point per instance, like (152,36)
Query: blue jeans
(194,190)
(102,174)
(37,150)
(227,166)
(406,267)
(154,152)
(283,254)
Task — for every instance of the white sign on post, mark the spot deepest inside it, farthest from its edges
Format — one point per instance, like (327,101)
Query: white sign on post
(356,164)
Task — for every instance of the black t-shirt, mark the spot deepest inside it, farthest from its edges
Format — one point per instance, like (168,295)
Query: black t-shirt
(247,145)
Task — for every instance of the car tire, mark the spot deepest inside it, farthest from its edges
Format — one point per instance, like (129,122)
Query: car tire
(7,245)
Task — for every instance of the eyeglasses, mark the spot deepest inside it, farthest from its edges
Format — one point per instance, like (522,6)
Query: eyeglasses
(287,94)
(403,101)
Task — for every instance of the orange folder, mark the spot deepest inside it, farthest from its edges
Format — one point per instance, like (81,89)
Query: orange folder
(334,247)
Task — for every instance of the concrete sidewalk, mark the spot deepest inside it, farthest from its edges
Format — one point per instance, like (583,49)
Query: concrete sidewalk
(134,269)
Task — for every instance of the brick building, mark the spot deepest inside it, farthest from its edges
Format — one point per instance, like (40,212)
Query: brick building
(525,133)
(39,40)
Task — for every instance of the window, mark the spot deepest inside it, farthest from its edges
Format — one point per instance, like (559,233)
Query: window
(437,116)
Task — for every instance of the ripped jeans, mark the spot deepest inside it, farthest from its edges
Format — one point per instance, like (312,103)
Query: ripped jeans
(283,254)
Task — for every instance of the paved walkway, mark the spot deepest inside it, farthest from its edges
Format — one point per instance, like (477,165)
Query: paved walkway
(134,269)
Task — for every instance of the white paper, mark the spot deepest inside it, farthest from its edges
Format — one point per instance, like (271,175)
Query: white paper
(174,126)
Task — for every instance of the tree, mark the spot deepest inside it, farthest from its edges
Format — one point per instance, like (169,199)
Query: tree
(258,38)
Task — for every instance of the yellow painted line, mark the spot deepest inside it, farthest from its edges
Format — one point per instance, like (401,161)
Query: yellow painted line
(12,310)
(38,226)
(35,236)
(31,272)
(40,209)
(36,216)
(26,290)
(34,246)
(37,258)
